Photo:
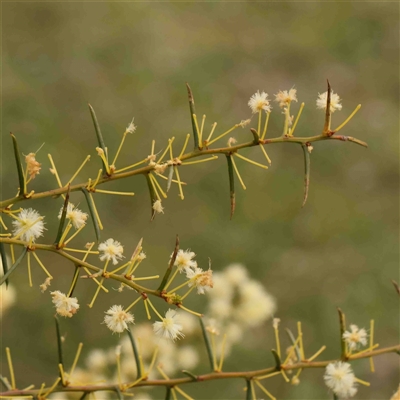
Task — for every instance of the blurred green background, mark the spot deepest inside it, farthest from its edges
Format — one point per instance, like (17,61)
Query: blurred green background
(133,59)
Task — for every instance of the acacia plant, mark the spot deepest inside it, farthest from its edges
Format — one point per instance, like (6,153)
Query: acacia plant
(95,265)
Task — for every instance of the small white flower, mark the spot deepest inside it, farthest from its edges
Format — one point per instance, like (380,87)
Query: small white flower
(7,298)
(285,97)
(30,223)
(169,326)
(65,306)
(254,304)
(157,207)
(76,216)
(234,332)
(200,279)
(189,322)
(117,319)
(96,360)
(220,308)
(184,260)
(355,337)
(131,128)
(112,250)
(236,274)
(335,101)
(141,256)
(187,357)
(259,101)
(340,378)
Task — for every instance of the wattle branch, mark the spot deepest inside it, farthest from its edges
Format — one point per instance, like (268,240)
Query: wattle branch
(170,383)
(194,154)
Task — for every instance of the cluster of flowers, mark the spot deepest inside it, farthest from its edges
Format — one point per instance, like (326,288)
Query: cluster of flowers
(28,224)
(100,365)
(238,303)
(259,101)
(339,376)
(173,356)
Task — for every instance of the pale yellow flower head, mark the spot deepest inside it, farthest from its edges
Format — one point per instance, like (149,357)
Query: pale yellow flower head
(65,306)
(335,101)
(29,225)
(259,101)
(117,319)
(285,97)
(157,207)
(77,217)
(169,327)
(355,337)
(339,377)
(111,250)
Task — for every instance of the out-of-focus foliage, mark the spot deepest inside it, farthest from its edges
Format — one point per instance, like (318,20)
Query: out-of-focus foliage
(133,59)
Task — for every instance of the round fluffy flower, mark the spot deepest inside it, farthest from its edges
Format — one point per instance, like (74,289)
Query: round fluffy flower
(28,225)
(285,97)
(200,279)
(157,207)
(259,101)
(335,101)
(355,337)
(234,332)
(189,322)
(184,260)
(340,378)
(255,304)
(221,308)
(7,298)
(76,216)
(8,293)
(169,326)
(117,319)
(112,250)
(97,360)
(187,357)
(223,289)
(236,274)
(65,306)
